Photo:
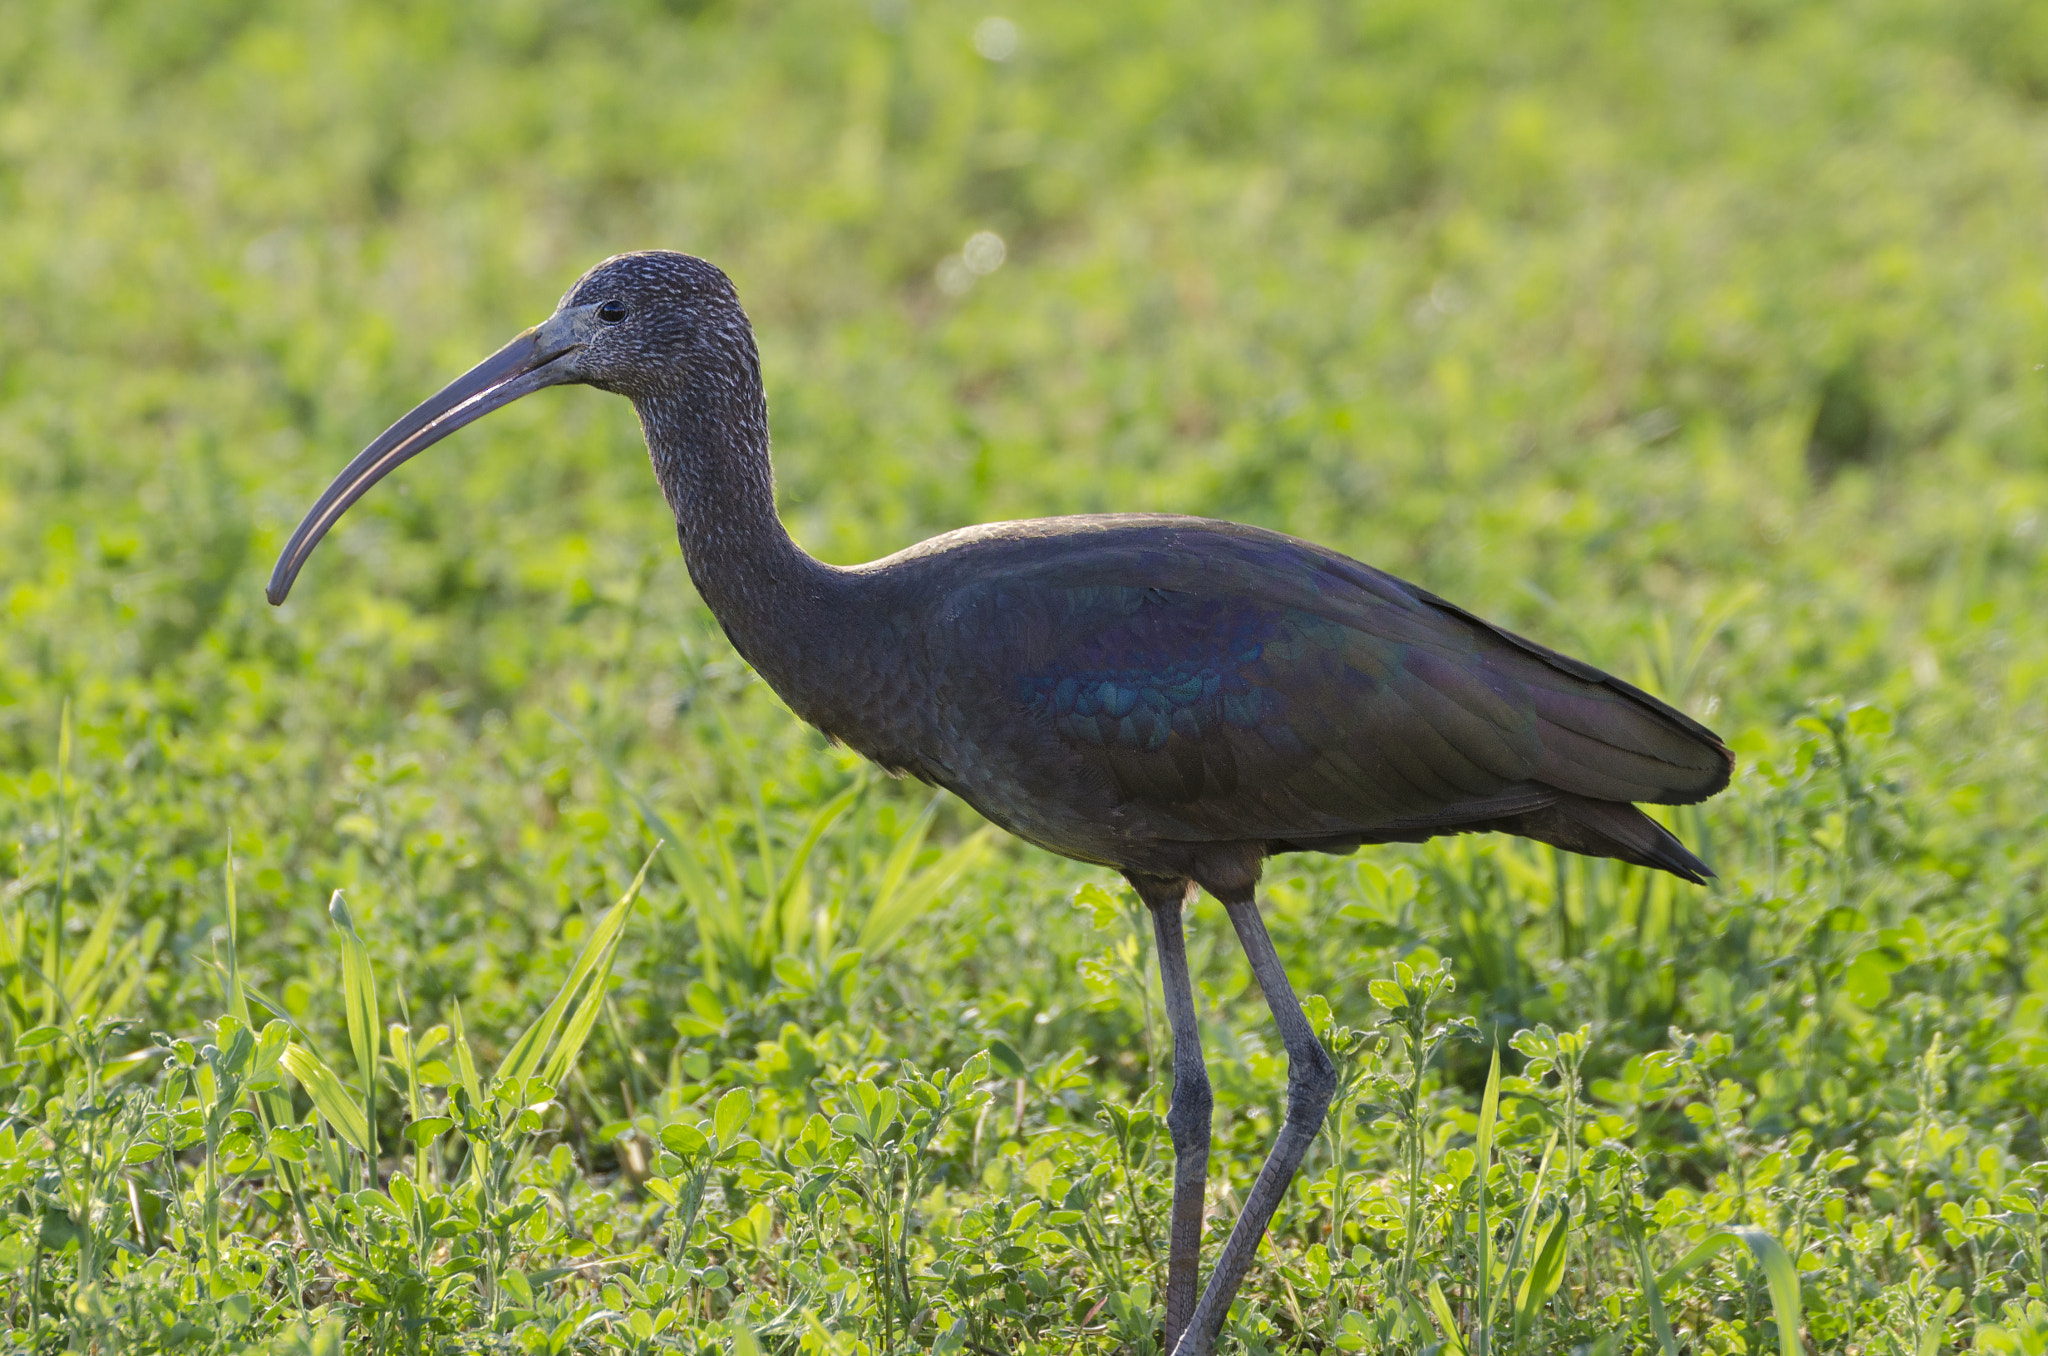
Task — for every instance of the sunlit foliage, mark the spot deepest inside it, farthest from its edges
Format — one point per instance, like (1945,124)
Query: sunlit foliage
(1704,339)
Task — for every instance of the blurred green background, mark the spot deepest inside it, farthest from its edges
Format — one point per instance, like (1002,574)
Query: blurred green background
(1703,339)
(1600,320)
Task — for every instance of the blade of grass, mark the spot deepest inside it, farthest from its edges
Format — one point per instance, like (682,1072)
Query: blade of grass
(735,887)
(1783,1279)
(1702,1251)
(1937,1326)
(763,849)
(1780,1276)
(1545,1274)
(1529,1211)
(897,864)
(86,969)
(887,920)
(780,914)
(359,1004)
(13,946)
(331,1097)
(1707,631)
(1653,1296)
(719,920)
(273,1105)
(135,954)
(827,813)
(716,913)
(525,1055)
(591,1006)
(232,995)
(1441,1307)
(1489,1113)
(53,945)
(465,1062)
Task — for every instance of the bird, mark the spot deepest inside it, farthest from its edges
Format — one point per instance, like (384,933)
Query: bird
(1175,698)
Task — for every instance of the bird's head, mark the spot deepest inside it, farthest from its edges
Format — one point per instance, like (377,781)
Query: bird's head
(643,325)
(650,323)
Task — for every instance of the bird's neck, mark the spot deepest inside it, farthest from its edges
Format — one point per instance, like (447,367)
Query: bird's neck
(710,451)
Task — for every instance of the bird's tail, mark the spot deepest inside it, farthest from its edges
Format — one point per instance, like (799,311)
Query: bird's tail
(1606,828)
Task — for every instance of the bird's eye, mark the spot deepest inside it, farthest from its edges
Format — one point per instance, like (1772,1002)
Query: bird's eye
(612,312)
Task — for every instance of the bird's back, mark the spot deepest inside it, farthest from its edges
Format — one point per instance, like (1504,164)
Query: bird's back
(1181,696)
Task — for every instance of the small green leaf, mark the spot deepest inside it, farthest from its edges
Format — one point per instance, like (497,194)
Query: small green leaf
(1868,978)
(1388,994)
(735,1109)
(975,1070)
(686,1140)
(1100,904)
(427,1129)
(1006,1059)
(270,1044)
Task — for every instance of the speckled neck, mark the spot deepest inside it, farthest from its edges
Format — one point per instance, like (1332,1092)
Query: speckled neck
(709,445)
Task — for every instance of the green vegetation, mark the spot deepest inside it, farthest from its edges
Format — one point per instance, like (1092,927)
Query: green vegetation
(1704,339)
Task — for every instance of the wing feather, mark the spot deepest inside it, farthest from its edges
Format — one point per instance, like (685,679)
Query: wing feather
(1235,684)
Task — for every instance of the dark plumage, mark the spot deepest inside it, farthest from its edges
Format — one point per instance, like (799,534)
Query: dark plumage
(1173,697)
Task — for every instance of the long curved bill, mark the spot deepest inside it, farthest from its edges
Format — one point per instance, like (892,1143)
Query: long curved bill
(537,358)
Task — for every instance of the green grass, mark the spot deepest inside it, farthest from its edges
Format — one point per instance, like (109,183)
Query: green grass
(1705,340)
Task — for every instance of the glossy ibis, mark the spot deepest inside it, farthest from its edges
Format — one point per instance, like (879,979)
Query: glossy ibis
(1175,698)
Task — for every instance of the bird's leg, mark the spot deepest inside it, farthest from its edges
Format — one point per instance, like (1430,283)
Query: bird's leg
(1187,1115)
(1311,1083)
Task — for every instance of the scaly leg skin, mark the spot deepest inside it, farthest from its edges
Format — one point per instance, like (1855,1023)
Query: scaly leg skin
(1187,1115)
(1311,1083)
